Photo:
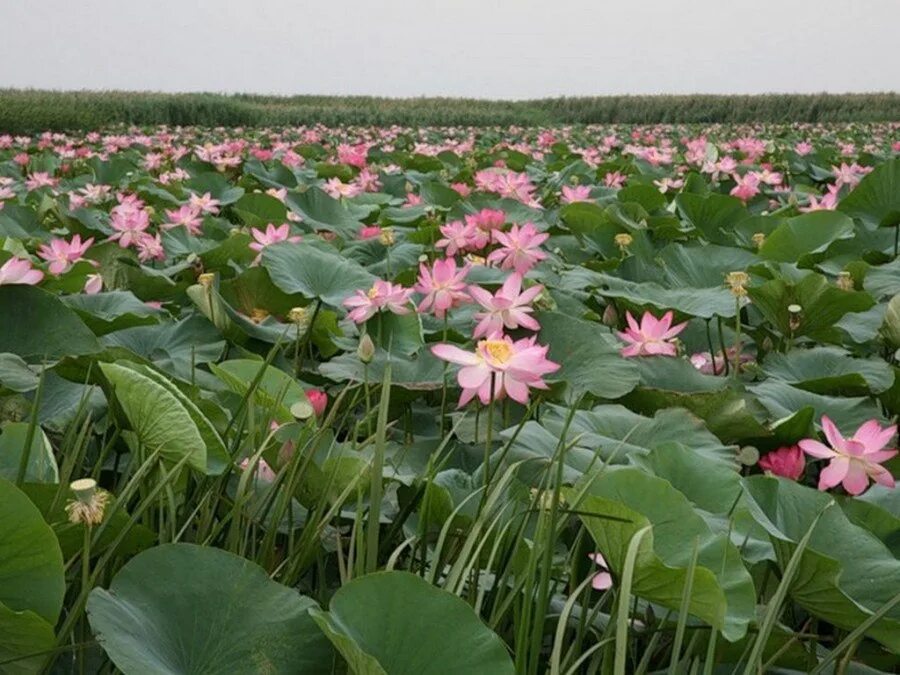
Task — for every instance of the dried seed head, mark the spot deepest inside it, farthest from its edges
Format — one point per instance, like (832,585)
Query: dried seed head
(623,240)
(89,504)
(206,279)
(737,281)
(844,281)
(387,237)
(759,239)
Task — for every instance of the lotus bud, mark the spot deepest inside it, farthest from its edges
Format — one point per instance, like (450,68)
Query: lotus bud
(366,349)
(737,281)
(844,281)
(759,239)
(610,316)
(89,504)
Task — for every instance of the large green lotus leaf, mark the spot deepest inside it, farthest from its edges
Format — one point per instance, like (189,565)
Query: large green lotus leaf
(783,400)
(810,233)
(39,326)
(31,564)
(829,370)
(822,304)
(217,185)
(15,375)
(421,372)
(217,457)
(235,326)
(702,266)
(883,281)
(41,467)
(876,200)
(701,302)
(258,209)
(314,272)
(276,392)
(590,359)
(397,333)
(845,573)
(878,516)
(157,416)
(713,215)
(396,623)
(181,609)
(620,502)
(710,485)
(322,212)
(730,413)
(614,434)
(276,176)
(172,347)
(24,635)
(107,312)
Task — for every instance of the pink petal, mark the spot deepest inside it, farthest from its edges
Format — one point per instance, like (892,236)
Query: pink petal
(857,480)
(816,449)
(834,473)
(454,354)
(831,433)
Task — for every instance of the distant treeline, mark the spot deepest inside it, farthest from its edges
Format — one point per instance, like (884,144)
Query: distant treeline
(26,111)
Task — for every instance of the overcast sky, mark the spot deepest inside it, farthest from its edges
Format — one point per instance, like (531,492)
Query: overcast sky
(480,48)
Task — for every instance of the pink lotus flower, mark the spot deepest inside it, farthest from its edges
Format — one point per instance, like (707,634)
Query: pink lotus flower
(577,193)
(370,232)
(853,460)
(93,284)
(484,225)
(19,271)
(264,472)
(747,187)
(40,179)
(205,203)
(318,399)
(803,148)
(462,189)
(129,220)
(338,189)
(602,580)
(459,237)
(614,179)
(499,363)
(383,295)
(508,308)
(150,247)
(787,462)
(652,337)
(443,285)
(62,254)
(354,155)
(271,235)
(520,248)
(186,216)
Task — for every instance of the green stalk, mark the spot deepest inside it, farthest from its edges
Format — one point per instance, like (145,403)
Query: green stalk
(375,484)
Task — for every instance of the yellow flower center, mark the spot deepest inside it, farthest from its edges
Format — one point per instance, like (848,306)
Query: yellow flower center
(372,292)
(498,351)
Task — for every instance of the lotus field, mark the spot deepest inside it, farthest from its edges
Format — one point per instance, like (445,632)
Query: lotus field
(450,400)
